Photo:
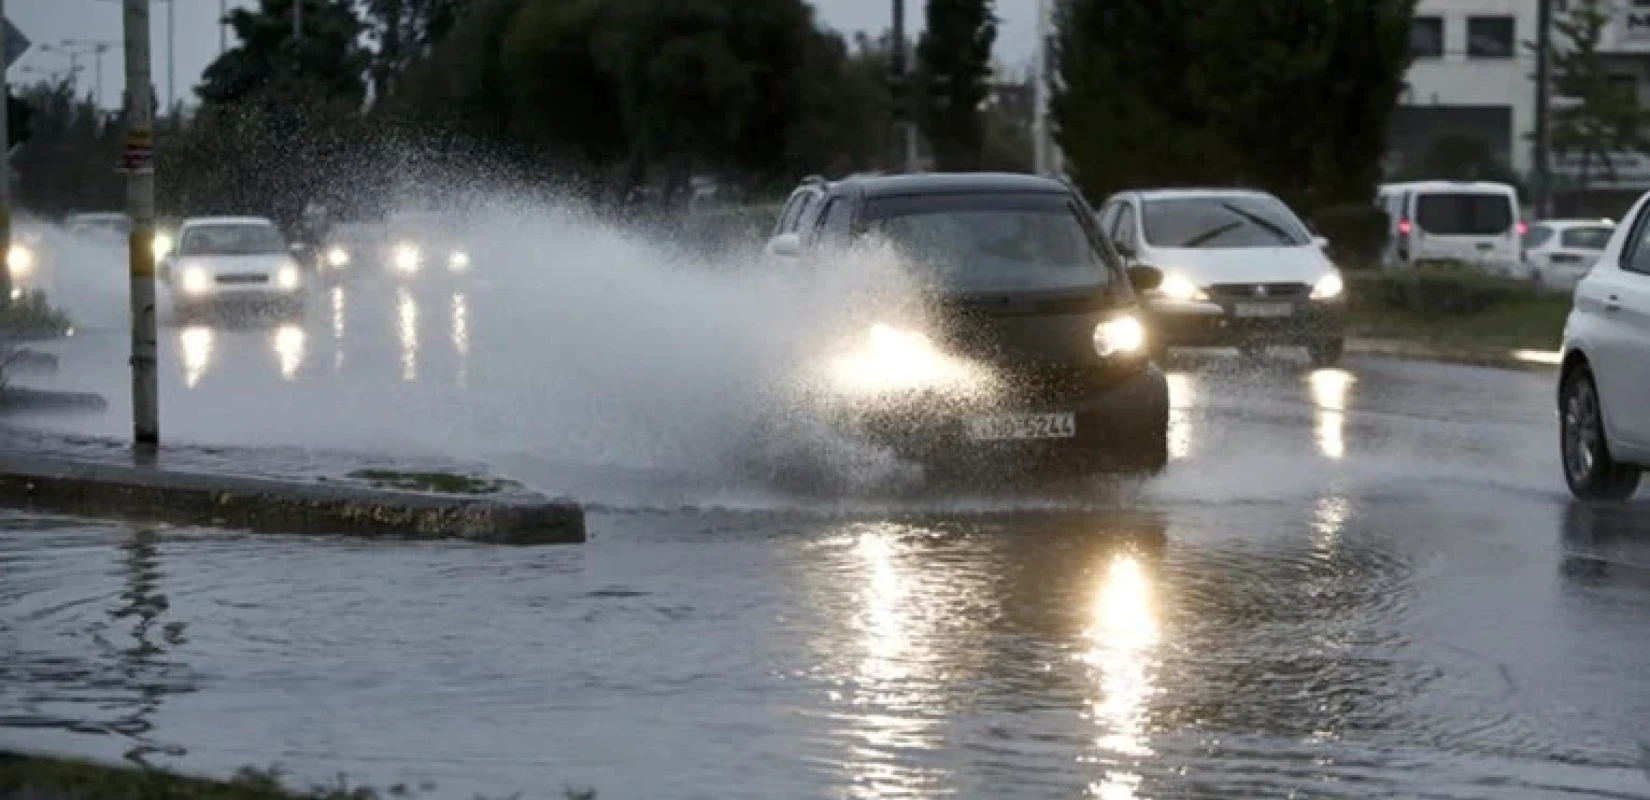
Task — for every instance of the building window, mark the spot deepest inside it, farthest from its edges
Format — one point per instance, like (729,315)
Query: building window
(1491,37)
(1426,37)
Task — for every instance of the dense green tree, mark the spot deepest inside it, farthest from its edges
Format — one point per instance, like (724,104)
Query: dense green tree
(405,30)
(1292,96)
(327,61)
(19,119)
(954,76)
(68,164)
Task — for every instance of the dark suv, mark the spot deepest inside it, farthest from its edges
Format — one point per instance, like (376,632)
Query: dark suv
(1035,348)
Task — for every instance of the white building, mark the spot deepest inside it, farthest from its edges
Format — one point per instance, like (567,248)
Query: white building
(1474,75)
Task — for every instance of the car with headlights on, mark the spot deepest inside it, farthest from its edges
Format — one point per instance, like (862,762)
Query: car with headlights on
(422,245)
(232,261)
(1031,349)
(1239,270)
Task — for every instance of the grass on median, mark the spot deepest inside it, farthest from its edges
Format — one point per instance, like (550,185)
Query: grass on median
(1456,309)
(437,482)
(24,777)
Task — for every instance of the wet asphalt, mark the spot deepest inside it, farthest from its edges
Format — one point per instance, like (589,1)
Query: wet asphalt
(1355,582)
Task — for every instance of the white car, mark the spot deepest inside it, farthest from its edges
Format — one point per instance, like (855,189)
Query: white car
(1604,380)
(220,260)
(1470,222)
(1558,252)
(1239,269)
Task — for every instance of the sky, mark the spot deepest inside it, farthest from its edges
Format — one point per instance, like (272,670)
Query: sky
(47,23)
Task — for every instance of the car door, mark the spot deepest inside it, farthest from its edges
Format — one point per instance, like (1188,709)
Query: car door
(1615,300)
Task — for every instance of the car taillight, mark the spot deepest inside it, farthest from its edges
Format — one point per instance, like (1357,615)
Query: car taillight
(1523,228)
(1403,227)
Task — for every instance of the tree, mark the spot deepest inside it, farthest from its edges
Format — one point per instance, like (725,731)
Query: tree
(1176,92)
(327,62)
(1603,117)
(19,120)
(954,73)
(68,164)
(406,30)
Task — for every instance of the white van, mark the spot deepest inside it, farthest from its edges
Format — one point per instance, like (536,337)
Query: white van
(1477,223)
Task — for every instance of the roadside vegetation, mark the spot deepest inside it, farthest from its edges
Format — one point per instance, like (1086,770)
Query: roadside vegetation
(1456,309)
(31,316)
(41,778)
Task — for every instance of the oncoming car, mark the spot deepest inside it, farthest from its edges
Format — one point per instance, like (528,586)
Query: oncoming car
(1239,269)
(1035,352)
(1604,380)
(232,260)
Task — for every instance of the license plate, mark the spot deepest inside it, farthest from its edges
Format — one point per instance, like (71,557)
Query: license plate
(1263,310)
(1023,426)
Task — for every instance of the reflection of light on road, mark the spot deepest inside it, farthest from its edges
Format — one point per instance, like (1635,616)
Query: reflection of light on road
(461,336)
(197,353)
(1330,389)
(289,347)
(1328,519)
(337,328)
(895,721)
(1182,395)
(406,315)
(1123,631)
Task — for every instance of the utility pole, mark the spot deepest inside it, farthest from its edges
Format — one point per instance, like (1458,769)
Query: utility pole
(138,161)
(223,26)
(171,55)
(905,130)
(1039,121)
(1543,109)
(5,174)
(297,20)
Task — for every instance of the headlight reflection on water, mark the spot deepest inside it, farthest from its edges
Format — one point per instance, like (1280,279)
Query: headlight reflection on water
(1330,390)
(1123,633)
(196,341)
(289,348)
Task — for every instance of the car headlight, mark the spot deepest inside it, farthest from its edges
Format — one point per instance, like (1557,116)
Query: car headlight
(895,359)
(196,281)
(162,246)
(1119,336)
(288,277)
(20,260)
(337,257)
(406,258)
(458,261)
(1176,287)
(1329,287)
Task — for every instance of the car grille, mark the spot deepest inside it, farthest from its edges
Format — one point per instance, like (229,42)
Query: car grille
(243,278)
(1240,291)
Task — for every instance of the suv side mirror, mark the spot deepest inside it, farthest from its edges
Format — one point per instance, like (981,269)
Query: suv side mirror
(785,245)
(1145,279)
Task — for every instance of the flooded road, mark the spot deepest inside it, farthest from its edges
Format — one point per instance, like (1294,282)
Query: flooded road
(1358,582)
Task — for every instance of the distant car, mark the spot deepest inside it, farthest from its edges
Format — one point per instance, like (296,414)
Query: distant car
(1239,269)
(423,244)
(1604,380)
(1477,223)
(1558,252)
(1036,353)
(232,260)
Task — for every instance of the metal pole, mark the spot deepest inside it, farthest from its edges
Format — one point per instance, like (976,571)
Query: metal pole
(905,133)
(5,175)
(1543,105)
(223,26)
(171,55)
(297,20)
(1039,120)
(140,201)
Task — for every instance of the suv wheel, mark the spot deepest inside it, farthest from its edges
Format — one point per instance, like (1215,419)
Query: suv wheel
(1588,468)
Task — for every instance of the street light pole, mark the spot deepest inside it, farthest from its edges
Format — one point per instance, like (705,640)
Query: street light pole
(223,26)
(171,55)
(5,175)
(1543,109)
(138,161)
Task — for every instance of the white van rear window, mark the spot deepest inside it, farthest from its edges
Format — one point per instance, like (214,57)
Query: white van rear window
(1464,213)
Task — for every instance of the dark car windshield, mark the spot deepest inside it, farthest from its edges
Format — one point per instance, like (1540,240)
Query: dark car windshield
(993,242)
(1587,238)
(1221,222)
(1464,213)
(231,240)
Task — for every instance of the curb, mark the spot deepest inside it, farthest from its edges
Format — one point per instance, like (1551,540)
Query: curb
(18,400)
(149,494)
(1412,351)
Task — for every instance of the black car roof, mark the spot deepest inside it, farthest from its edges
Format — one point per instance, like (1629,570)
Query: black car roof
(953,183)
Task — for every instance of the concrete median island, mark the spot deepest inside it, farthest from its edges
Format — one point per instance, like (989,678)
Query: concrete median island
(279,491)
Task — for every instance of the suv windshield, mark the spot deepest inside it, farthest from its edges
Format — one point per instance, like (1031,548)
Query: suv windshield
(1587,238)
(1221,222)
(231,240)
(1464,213)
(993,242)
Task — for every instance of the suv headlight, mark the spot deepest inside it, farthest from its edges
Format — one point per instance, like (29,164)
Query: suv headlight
(19,260)
(288,277)
(1177,287)
(1329,287)
(196,280)
(1119,335)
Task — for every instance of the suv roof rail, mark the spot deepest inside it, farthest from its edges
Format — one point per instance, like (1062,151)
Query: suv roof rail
(812,180)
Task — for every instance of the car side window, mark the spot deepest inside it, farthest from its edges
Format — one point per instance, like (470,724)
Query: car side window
(1108,216)
(792,212)
(1123,234)
(833,226)
(1635,254)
